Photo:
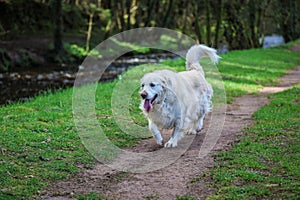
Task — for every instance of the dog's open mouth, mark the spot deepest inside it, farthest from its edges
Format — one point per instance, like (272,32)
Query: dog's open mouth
(148,103)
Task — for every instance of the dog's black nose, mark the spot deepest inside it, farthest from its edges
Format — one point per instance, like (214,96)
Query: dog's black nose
(144,95)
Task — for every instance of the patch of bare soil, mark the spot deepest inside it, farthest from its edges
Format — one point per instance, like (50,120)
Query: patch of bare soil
(176,179)
(296,48)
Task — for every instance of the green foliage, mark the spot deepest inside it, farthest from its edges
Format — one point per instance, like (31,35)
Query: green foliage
(26,58)
(25,16)
(18,58)
(76,51)
(73,18)
(265,163)
(5,61)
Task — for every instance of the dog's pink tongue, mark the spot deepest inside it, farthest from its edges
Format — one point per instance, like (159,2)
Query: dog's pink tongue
(147,105)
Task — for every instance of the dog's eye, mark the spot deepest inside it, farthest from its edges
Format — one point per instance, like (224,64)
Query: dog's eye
(142,85)
(152,85)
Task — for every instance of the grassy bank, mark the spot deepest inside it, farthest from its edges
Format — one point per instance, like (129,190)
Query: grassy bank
(38,139)
(265,163)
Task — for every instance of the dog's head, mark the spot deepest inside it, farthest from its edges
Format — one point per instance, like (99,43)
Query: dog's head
(152,90)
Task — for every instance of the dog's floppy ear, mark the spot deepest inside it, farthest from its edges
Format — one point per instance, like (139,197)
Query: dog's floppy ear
(166,82)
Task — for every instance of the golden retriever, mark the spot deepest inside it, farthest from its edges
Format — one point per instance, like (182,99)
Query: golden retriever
(178,100)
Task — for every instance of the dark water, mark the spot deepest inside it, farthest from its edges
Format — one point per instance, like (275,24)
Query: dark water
(24,83)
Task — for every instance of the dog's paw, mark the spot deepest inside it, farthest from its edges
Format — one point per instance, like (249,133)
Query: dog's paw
(199,129)
(191,132)
(161,142)
(171,143)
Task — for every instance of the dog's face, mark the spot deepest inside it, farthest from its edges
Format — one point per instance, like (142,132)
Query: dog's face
(152,91)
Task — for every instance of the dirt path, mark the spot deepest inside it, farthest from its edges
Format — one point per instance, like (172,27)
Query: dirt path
(175,179)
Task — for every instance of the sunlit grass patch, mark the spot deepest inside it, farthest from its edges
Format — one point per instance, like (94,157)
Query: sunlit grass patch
(249,70)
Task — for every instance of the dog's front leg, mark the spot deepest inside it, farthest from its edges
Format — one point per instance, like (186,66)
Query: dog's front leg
(200,123)
(176,135)
(156,133)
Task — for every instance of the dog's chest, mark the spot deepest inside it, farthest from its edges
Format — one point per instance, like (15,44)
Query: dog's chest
(164,116)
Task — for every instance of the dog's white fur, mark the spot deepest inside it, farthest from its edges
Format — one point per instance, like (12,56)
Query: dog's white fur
(178,100)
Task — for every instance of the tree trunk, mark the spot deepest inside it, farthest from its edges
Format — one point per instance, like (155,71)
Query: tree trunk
(128,7)
(120,11)
(150,8)
(108,28)
(197,23)
(237,29)
(89,32)
(58,44)
(252,24)
(208,32)
(135,20)
(290,15)
(219,21)
(111,22)
(167,15)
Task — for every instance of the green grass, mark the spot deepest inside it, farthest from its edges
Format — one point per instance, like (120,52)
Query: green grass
(40,144)
(185,197)
(265,163)
(90,196)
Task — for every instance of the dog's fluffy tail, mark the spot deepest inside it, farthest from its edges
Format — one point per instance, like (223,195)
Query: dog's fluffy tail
(196,52)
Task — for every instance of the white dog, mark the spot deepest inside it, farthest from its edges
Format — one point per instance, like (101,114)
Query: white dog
(178,100)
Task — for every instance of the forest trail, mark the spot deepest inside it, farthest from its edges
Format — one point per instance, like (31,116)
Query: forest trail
(175,179)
